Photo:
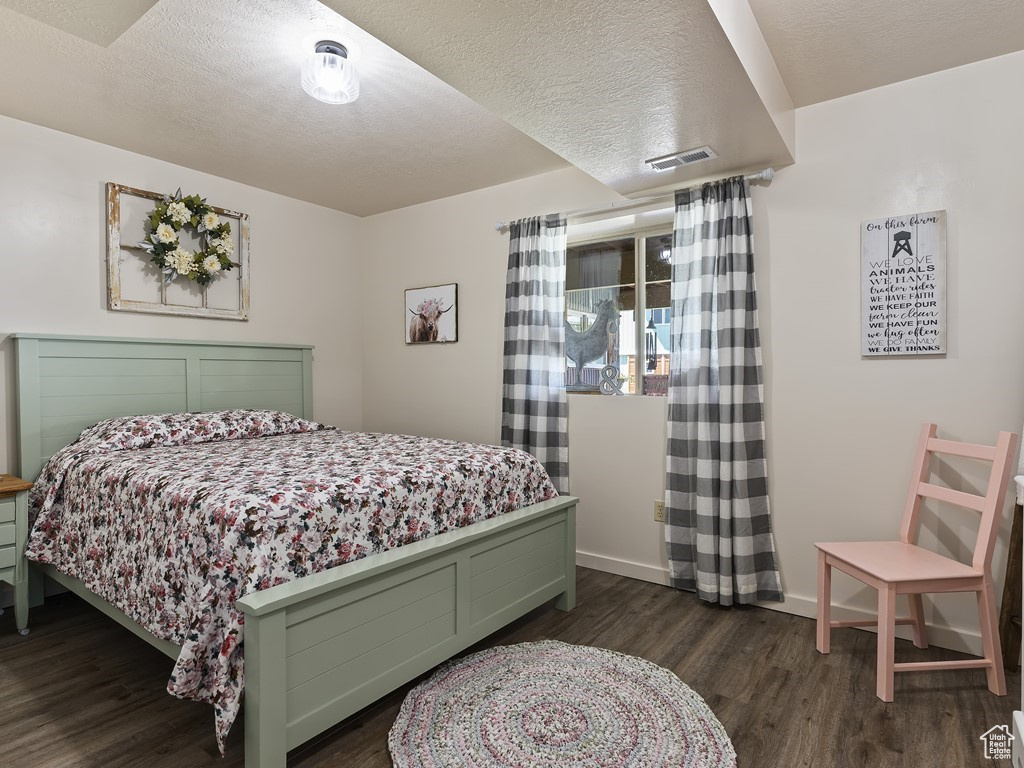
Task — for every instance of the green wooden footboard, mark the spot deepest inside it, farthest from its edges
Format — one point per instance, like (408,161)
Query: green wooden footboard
(321,648)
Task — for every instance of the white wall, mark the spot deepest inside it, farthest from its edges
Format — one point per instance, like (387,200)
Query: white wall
(305,285)
(841,429)
(617,468)
(616,449)
(449,390)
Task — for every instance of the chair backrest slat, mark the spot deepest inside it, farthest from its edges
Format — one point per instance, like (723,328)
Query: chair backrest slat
(1002,468)
(912,510)
(969,450)
(989,506)
(961,499)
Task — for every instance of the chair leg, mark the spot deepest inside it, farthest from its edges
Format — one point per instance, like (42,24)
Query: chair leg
(886,638)
(824,604)
(917,616)
(990,639)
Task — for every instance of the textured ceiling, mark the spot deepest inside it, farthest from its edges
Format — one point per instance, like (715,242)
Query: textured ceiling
(606,84)
(500,89)
(214,85)
(98,22)
(830,48)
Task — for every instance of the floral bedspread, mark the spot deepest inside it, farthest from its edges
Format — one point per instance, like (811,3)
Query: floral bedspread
(172,518)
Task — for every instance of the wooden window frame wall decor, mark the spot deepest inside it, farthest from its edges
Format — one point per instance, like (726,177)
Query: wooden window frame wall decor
(116,301)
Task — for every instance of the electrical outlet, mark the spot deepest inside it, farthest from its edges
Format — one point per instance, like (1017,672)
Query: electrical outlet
(659,511)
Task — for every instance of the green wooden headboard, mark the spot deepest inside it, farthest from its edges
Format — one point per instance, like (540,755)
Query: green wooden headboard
(67,383)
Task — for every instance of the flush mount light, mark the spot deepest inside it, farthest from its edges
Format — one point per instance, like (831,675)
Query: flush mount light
(328,75)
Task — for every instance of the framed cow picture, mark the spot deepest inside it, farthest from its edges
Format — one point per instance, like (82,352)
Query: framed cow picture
(432,314)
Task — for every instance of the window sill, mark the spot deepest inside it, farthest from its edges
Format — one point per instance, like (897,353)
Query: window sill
(624,395)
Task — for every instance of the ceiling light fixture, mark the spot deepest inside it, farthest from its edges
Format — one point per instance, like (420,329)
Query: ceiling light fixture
(328,75)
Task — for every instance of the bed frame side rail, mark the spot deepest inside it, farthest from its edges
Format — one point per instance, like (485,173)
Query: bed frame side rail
(76,587)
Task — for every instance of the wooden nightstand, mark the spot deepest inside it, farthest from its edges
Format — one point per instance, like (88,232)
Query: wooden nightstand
(13,537)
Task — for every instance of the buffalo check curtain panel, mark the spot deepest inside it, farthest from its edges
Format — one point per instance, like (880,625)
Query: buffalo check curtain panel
(534,412)
(718,528)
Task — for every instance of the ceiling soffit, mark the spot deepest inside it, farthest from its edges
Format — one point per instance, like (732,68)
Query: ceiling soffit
(98,22)
(604,84)
(825,49)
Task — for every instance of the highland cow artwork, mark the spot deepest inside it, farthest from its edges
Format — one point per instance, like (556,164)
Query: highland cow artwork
(431,314)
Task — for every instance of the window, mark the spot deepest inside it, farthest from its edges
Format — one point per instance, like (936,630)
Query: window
(616,319)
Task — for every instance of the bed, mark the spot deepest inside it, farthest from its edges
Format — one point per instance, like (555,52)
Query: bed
(321,647)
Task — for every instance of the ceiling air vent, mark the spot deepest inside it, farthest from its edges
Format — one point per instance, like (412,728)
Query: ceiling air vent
(689,157)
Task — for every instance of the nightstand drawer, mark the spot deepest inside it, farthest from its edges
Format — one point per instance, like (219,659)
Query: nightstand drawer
(7,557)
(7,507)
(6,533)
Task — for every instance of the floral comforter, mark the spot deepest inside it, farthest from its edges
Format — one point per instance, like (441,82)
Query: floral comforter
(171,518)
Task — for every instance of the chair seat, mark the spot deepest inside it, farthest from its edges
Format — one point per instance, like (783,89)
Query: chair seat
(892,561)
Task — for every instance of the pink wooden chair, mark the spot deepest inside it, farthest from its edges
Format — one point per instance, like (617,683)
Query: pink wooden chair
(902,568)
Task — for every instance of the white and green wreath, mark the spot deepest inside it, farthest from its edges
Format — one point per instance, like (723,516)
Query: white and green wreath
(164,225)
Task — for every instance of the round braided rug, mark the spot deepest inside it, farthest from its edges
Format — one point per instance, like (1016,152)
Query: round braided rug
(555,705)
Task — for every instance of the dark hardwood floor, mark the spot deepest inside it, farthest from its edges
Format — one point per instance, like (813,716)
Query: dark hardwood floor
(82,692)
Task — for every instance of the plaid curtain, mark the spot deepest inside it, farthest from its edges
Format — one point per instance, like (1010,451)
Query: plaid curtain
(533,407)
(718,528)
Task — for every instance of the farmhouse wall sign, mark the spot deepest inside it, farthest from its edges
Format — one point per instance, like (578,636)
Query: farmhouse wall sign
(903,285)
(175,255)
(432,314)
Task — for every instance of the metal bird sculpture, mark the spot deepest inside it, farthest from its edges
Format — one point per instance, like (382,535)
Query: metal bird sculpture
(599,339)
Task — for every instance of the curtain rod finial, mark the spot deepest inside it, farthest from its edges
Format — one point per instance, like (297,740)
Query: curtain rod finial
(501,227)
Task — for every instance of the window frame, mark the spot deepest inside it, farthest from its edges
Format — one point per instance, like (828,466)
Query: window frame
(640,236)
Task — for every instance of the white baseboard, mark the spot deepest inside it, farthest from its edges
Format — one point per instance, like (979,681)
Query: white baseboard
(1017,745)
(964,640)
(953,638)
(638,571)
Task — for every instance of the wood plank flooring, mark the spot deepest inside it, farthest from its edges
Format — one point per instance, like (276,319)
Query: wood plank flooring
(82,692)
